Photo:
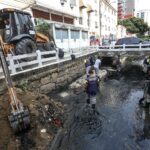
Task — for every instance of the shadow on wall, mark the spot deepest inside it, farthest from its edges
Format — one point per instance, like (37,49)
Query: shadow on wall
(107,61)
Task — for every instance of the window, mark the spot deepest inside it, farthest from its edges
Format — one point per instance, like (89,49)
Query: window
(74,34)
(81,20)
(84,35)
(142,15)
(88,22)
(58,33)
(25,22)
(138,15)
(96,25)
(64,34)
(72,2)
(95,12)
(61,34)
(95,1)
(106,28)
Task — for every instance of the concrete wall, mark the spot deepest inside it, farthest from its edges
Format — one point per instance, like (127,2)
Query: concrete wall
(49,78)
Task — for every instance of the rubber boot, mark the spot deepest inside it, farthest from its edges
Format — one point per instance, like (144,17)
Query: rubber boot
(93,106)
(88,101)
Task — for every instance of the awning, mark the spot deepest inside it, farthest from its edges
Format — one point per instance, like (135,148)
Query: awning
(82,4)
(90,9)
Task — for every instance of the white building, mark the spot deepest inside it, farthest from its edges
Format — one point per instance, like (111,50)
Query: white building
(89,15)
(108,19)
(121,32)
(142,10)
(144,14)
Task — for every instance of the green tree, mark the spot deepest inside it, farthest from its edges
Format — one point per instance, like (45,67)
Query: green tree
(135,25)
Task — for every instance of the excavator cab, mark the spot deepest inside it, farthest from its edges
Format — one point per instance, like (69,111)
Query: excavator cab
(16,24)
(18,34)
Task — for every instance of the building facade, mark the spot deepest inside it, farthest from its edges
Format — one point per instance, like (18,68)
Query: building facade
(143,10)
(73,21)
(108,20)
(144,14)
(126,9)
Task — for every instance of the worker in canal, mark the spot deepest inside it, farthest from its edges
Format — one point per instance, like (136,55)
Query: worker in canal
(87,66)
(117,63)
(146,64)
(92,87)
(145,100)
(97,65)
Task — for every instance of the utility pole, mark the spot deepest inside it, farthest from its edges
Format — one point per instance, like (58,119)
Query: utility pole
(100,19)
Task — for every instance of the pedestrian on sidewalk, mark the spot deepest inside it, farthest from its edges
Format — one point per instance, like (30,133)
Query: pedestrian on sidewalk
(97,65)
(92,87)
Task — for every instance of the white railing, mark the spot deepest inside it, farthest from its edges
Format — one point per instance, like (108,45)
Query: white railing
(127,48)
(41,59)
(19,63)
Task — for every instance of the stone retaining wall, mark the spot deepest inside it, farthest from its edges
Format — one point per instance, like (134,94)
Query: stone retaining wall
(51,77)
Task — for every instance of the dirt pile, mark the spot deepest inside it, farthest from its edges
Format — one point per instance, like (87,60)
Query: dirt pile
(47,116)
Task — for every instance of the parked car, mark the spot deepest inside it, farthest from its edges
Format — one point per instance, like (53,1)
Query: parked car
(134,41)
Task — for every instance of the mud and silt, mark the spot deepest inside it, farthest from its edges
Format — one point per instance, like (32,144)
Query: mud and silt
(47,116)
(119,124)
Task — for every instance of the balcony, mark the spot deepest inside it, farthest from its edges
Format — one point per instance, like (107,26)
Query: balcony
(82,4)
(90,9)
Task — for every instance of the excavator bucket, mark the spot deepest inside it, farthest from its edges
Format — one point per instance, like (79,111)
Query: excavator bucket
(20,121)
(19,116)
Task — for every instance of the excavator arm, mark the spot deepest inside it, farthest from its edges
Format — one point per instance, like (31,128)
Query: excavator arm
(19,116)
(41,38)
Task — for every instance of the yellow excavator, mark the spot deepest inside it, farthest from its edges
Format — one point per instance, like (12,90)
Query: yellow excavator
(18,34)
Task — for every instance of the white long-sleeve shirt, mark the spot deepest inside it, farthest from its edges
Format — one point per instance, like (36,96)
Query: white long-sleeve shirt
(97,63)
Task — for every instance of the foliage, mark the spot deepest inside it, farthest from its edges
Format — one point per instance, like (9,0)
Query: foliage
(43,27)
(135,25)
(23,85)
(145,37)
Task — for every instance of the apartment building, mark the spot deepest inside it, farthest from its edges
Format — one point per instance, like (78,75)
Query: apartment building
(108,19)
(144,14)
(143,10)
(126,9)
(89,15)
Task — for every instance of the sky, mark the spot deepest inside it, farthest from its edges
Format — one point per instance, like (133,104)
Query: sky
(142,4)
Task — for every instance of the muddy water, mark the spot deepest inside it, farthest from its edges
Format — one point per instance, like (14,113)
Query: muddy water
(120,124)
